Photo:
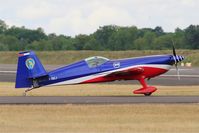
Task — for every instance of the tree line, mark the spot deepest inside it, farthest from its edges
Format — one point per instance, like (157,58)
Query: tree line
(110,38)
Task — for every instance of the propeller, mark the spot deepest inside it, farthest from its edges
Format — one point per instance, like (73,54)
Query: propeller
(176,63)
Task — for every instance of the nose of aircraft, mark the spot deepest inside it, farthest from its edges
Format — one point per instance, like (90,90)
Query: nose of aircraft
(178,58)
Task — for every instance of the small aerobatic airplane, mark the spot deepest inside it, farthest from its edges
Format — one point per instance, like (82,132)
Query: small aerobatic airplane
(31,74)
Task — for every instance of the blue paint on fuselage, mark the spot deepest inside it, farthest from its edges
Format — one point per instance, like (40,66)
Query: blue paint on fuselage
(160,59)
(81,68)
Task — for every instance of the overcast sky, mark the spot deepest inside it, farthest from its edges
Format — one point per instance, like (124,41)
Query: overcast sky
(72,17)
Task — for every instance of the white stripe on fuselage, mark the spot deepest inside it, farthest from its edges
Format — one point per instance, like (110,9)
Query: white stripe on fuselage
(83,79)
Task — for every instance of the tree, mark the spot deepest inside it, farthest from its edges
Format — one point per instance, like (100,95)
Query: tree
(140,43)
(40,45)
(3,47)
(158,30)
(3,26)
(68,43)
(103,34)
(146,42)
(179,39)
(92,44)
(163,42)
(80,41)
(26,34)
(192,36)
(123,38)
(10,42)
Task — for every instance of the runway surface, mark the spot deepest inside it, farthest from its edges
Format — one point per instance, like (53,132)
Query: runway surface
(98,99)
(189,76)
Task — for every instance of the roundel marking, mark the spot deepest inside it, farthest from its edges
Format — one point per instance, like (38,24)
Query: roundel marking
(30,63)
(116,64)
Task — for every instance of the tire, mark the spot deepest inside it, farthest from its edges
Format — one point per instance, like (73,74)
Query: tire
(148,94)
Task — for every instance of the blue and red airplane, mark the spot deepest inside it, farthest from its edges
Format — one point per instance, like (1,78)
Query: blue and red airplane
(31,74)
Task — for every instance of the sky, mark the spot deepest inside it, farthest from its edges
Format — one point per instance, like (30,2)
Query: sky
(73,17)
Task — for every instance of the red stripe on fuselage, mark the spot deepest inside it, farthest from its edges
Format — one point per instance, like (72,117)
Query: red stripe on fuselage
(149,72)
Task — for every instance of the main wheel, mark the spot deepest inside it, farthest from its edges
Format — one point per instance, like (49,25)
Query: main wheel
(148,94)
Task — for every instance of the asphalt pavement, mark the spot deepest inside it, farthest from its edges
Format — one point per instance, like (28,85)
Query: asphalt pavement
(98,99)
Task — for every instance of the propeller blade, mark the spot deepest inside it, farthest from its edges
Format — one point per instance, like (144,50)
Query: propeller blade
(176,63)
(178,72)
(174,51)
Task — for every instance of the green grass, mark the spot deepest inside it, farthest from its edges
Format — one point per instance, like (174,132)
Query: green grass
(66,57)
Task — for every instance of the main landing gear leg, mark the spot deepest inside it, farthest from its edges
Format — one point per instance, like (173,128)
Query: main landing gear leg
(146,90)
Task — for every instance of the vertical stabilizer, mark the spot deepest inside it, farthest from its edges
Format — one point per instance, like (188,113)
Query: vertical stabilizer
(29,68)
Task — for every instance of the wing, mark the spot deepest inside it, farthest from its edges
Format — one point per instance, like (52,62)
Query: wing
(128,72)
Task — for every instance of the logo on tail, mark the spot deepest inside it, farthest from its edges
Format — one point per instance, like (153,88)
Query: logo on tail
(30,63)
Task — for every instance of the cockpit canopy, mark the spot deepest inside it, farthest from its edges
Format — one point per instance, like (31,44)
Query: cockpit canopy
(95,61)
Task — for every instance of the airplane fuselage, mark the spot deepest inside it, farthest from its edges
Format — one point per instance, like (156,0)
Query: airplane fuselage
(80,72)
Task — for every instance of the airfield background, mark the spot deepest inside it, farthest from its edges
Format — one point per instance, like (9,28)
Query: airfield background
(108,38)
(110,41)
